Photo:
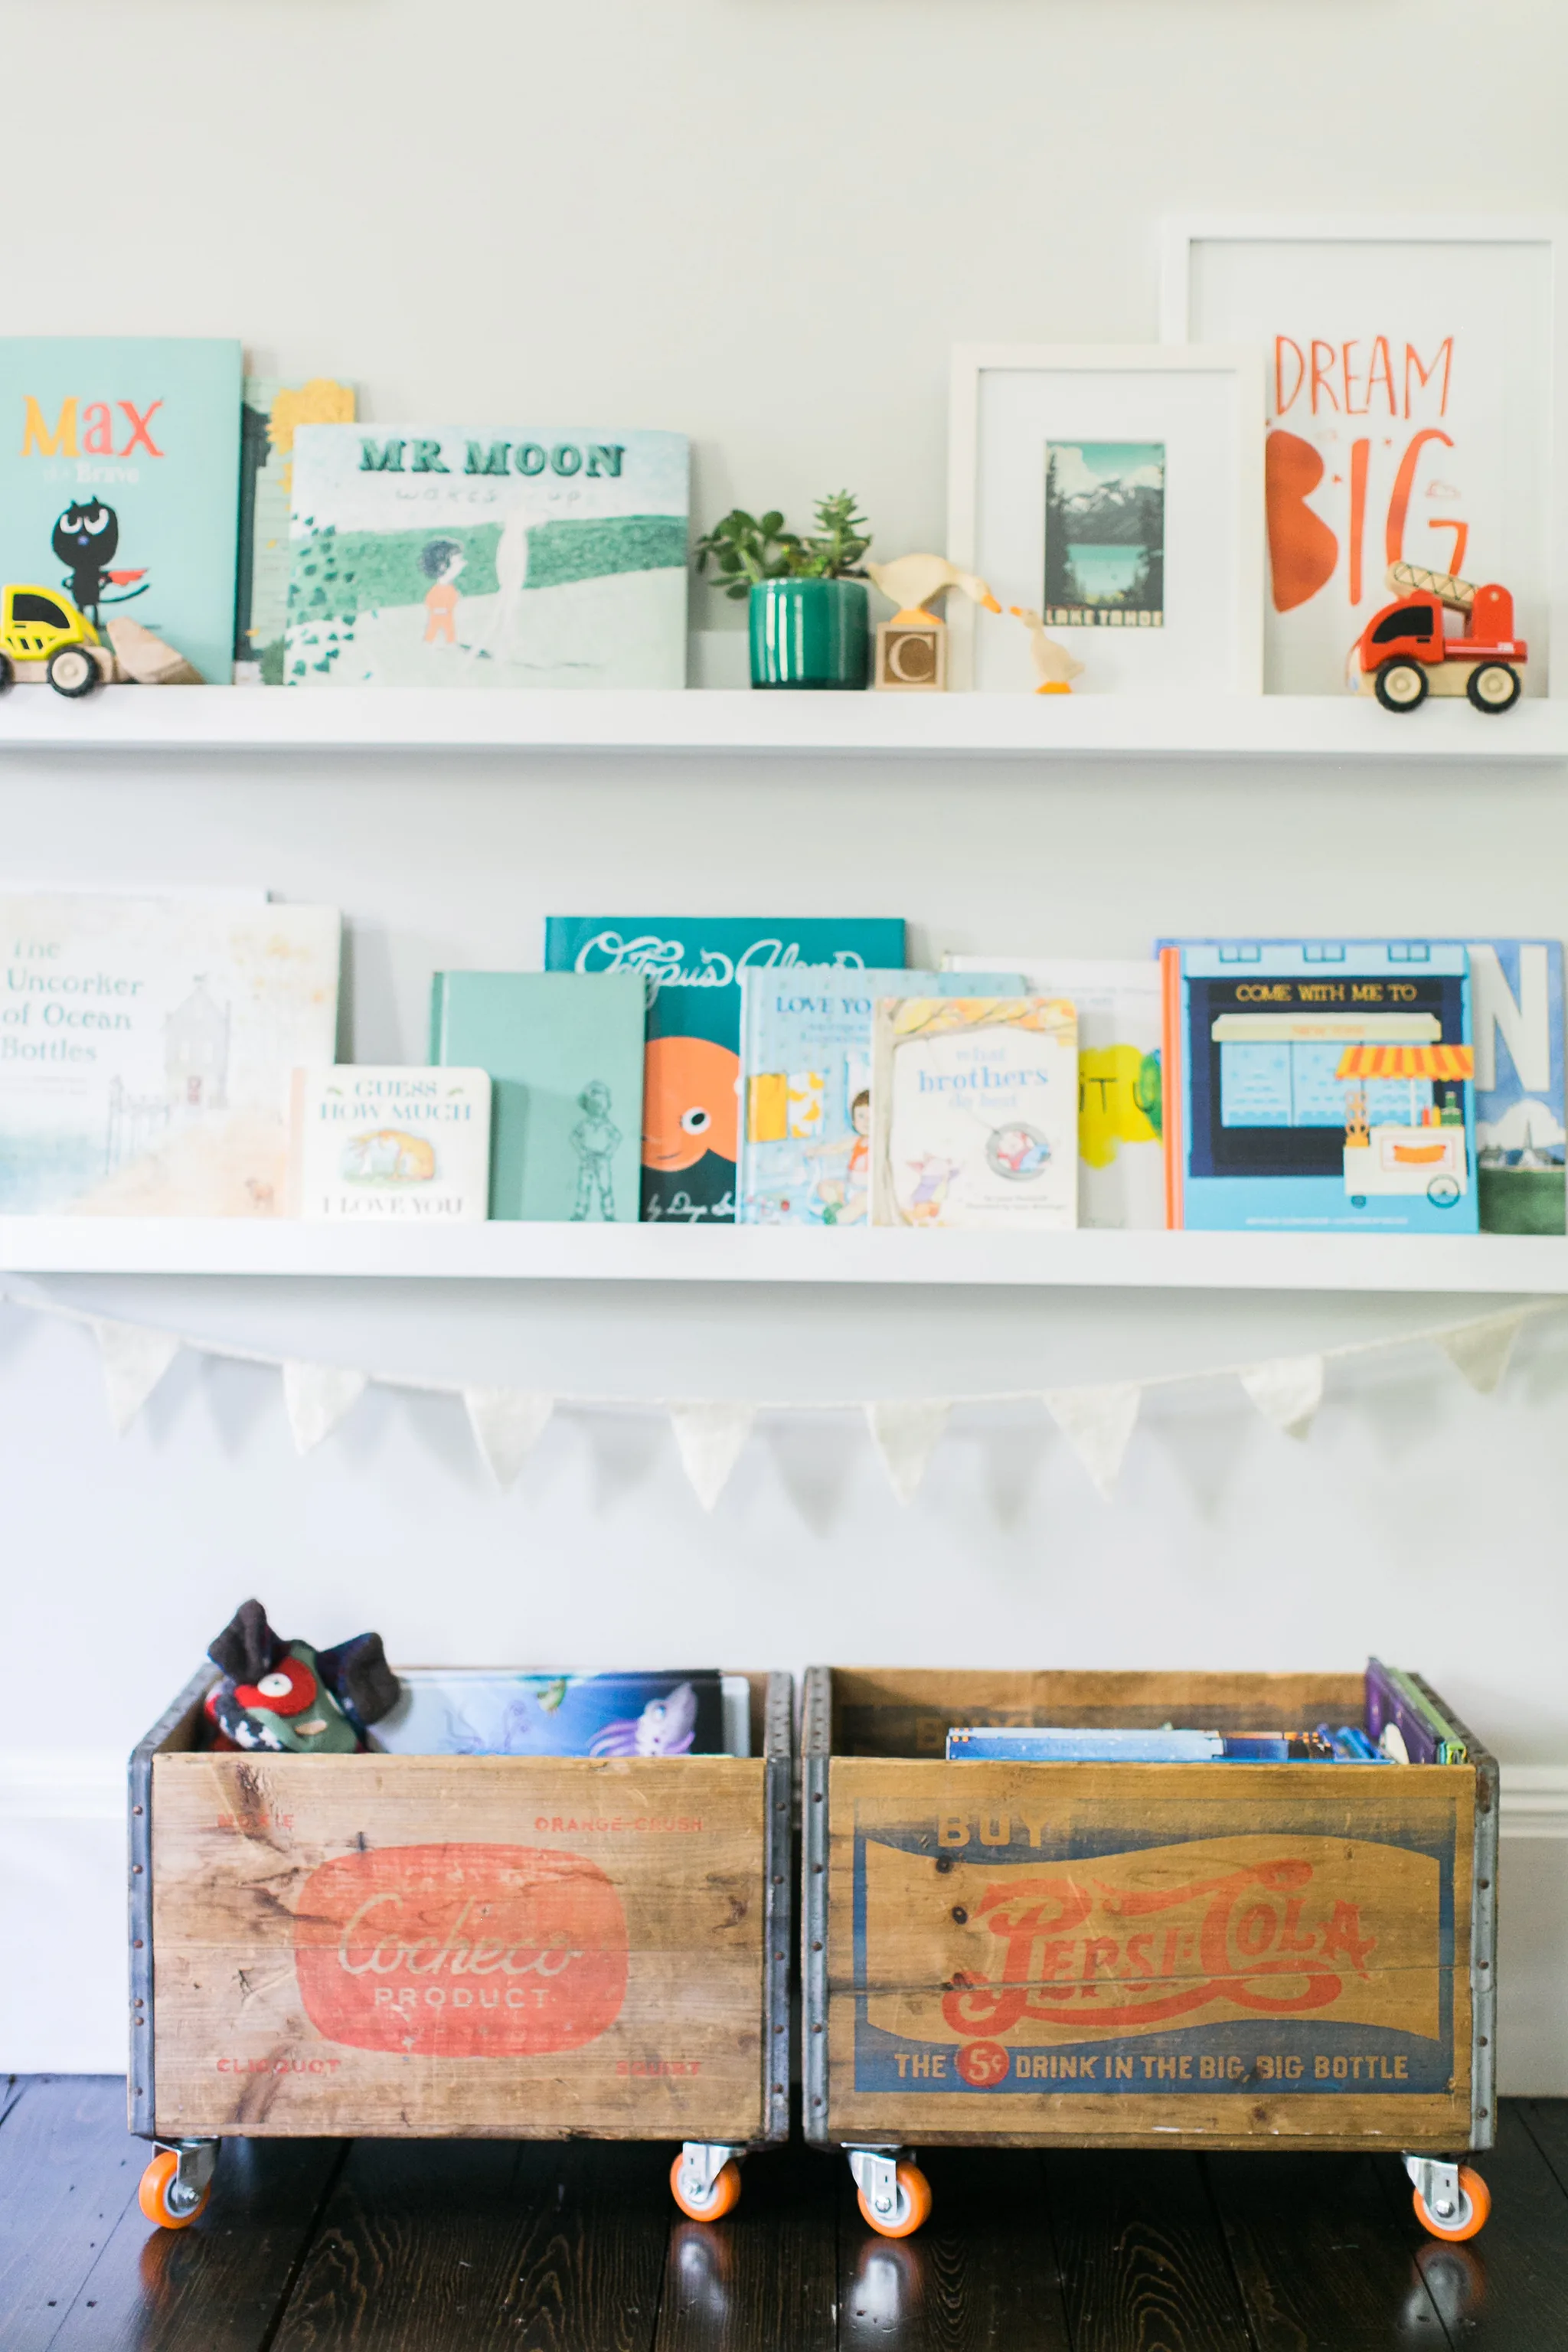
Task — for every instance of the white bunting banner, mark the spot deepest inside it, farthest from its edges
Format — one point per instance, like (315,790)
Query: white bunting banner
(316,1396)
(905,1431)
(1098,1424)
(709,1437)
(506,1424)
(135,1359)
(1480,1350)
(1287,1390)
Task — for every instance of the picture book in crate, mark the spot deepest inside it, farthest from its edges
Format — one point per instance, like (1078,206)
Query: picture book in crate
(270,414)
(378,1145)
(564,1055)
(1120,1141)
(145,1050)
(485,1711)
(974,1112)
(1319,1086)
(692,965)
(119,482)
(806,1084)
(487,555)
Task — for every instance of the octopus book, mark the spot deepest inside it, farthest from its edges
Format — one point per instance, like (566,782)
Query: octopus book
(693,967)
(564,1055)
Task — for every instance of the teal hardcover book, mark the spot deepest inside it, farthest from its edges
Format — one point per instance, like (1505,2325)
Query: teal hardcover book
(564,1054)
(805,1062)
(693,964)
(119,482)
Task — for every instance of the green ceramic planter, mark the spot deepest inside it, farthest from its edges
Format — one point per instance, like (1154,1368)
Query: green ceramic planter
(812,634)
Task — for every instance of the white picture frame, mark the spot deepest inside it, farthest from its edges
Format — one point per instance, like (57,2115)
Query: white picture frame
(1202,404)
(1495,288)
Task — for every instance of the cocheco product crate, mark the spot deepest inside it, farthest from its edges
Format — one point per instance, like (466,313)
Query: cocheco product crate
(512,1946)
(1218,1955)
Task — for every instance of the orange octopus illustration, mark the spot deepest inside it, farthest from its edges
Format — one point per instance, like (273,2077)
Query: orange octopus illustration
(690,1104)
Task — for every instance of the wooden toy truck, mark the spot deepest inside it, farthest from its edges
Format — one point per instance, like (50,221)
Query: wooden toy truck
(1405,653)
(503,1947)
(1223,1956)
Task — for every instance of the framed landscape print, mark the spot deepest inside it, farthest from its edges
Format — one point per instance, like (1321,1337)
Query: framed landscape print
(1415,386)
(1116,493)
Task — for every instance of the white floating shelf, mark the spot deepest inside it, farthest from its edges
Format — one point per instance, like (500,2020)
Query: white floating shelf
(1486,1263)
(987,726)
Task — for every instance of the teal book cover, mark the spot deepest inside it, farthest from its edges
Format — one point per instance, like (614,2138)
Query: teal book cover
(471,555)
(564,1054)
(119,482)
(805,1062)
(693,966)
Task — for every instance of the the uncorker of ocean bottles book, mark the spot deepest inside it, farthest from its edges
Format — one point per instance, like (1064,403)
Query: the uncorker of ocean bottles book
(476,555)
(119,482)
(974,1112)
(145,1050)
(691,1076)
(370,1145)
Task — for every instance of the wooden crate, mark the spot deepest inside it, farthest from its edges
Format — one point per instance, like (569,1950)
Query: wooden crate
(1134,1955)
(512,1947)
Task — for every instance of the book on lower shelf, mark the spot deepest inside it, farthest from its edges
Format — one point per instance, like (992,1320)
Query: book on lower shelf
(400,1146)
(975,1113)
(145,1047)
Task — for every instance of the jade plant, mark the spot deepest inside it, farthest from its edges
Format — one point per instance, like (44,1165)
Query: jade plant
(747,549)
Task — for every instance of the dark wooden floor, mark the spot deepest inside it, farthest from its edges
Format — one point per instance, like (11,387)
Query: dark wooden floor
(400,2246)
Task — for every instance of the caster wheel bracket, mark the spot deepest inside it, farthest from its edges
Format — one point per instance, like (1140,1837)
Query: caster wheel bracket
(197,2161)
(701,2162)
(876,2171)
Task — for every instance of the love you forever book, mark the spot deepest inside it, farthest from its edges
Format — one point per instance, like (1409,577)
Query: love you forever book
(974,1112)
(407,1146)
(692,966)
(487,555)
(145,1047)
(119,482)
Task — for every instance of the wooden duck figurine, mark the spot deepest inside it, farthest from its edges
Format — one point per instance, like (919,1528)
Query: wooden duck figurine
(911,580)
(1054,666)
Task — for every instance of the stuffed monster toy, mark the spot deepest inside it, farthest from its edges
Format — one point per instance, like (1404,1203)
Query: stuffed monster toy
(285,1696)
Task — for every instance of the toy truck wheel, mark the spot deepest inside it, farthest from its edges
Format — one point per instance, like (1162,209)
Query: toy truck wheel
(1401,685)
(912,2209)
(721,2197)
(1475,2204)
(7,672)
(1494,686)
(72,672)
(161,2198)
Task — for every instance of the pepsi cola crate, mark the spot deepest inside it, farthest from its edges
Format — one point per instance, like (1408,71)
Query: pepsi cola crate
(1236,1955)
(513,1946)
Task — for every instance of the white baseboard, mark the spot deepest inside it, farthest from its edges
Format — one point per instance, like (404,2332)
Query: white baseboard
(62,1864)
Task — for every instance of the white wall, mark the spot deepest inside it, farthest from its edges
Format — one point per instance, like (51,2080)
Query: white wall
(764,221)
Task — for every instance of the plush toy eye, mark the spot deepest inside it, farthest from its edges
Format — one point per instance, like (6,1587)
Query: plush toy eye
(289,1689)
(696,1121)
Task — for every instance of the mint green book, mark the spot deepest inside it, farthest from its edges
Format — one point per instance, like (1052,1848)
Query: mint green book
(564,1054)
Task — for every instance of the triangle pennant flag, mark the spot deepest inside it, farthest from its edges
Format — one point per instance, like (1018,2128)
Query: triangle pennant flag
(905,1431)
(709,1437)
(135,1360)
(1480,1350)
(1286,1391)
(316,1396)
(505,1422)
(1098,1424)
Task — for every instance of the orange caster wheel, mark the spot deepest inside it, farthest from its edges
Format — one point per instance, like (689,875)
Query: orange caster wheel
(162,2198)
(1465,2216)
(702,2194)
(911,2205)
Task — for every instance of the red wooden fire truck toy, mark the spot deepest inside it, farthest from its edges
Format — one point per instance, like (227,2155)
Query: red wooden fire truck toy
(1404,654)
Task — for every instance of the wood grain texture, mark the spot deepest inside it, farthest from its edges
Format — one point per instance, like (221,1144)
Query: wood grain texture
(1507,2289)
(1143,2263)
(980,2275)
(459,1945)
(219,2285)
(765,2276)
(68,2168)
(1324,2252)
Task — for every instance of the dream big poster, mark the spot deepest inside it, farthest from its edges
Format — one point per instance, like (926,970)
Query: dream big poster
(1410,392)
